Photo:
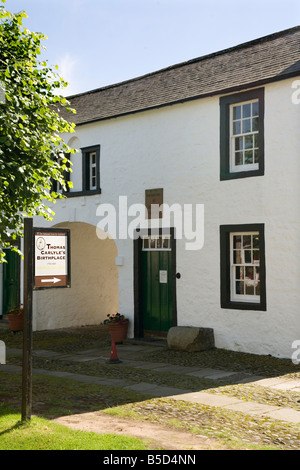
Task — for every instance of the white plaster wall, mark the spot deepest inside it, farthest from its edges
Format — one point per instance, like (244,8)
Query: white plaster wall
(177,148)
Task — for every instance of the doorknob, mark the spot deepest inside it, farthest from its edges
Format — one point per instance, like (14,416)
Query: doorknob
(178,275)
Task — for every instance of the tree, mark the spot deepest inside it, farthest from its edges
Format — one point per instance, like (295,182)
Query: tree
(32,150)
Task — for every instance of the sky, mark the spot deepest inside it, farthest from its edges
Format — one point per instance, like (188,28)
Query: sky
(97,43)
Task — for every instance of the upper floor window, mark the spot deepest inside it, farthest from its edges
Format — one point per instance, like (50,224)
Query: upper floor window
(242,134)
(91,169)
(244,146)
(55,185)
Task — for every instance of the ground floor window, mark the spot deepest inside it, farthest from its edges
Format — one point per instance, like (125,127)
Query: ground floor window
(243,267)
(156,242)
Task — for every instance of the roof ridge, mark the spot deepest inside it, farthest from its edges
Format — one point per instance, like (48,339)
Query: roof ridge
(244,45)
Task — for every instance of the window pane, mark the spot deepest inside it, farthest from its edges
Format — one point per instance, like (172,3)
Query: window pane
(238,143)
(247,110)
(237,127)
(247,241)
(256,158)
(248,157)
(256,140)
(239,287)
(247,256)
(257,289)
(166,242)
(255,124)
(249,289)
(239,158)
(255,241)
(249,142)
(256,256)
(255,108)
(237,240)
(246,126)
(249,272)
(146,243)
(236,112)
(237,257)
(239,272)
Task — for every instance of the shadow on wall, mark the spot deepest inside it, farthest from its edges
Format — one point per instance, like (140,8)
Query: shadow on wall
(94,283)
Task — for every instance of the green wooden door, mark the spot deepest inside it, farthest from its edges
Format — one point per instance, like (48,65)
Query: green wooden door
(11,283)
(157,290)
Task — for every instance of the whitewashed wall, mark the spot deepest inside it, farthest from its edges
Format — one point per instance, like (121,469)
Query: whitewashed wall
(177,148)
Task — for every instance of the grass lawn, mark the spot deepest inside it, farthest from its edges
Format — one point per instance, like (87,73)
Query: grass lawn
(41,434)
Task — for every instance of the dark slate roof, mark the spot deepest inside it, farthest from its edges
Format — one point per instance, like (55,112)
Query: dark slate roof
(271,58)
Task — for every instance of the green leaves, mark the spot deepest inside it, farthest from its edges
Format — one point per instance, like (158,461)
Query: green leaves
(30,127)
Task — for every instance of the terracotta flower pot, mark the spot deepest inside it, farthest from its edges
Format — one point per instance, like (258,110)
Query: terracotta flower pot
(118,332)
(15,322)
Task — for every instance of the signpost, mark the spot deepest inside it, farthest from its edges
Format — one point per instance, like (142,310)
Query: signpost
(27,328)
(46,265)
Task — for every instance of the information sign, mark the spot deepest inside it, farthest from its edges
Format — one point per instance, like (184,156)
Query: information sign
(51,258)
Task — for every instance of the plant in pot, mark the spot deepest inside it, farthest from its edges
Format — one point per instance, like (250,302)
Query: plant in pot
(15,318)
(117,326)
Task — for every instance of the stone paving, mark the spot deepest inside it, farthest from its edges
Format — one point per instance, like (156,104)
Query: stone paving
(128,355)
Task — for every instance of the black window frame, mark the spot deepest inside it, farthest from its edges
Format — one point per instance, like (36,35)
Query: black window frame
(225,275)
(66,176)
(225,103)
(86,151)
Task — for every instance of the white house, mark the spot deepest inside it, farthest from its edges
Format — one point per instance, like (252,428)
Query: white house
(215,143)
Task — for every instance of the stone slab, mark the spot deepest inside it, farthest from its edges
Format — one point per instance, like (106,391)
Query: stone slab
(155,390)
(190,338)
(208,373)
(285,414)
(291,385)
(205,398)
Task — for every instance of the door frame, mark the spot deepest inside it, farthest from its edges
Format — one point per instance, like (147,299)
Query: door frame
(137,272)
(16,244)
